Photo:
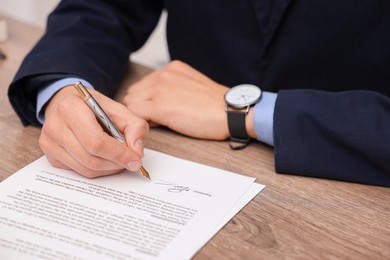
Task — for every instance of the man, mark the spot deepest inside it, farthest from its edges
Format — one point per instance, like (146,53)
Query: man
(322,66)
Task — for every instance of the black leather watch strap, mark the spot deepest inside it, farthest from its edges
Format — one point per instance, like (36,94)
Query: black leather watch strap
(236,123)
(237,129)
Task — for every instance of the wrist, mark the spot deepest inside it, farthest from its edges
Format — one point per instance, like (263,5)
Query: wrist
(47,92)
(58,96)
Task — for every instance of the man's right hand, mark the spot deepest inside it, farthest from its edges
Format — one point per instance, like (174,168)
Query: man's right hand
(72,138)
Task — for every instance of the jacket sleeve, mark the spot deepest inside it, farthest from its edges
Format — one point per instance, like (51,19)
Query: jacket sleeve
(334,135)
(84,38)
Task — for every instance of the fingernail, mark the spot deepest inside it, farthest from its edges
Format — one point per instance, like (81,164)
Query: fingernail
(139,146)
(133,166)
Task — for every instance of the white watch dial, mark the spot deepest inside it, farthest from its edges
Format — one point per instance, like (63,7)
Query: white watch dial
(243,95)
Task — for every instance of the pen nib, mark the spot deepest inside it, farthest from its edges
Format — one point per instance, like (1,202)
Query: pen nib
(144,172)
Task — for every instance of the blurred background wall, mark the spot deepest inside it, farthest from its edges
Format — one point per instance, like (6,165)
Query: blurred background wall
(154,54)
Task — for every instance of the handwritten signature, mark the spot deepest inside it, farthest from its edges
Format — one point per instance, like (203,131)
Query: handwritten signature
(173,187)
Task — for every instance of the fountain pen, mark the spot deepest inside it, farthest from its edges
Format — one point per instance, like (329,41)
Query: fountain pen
(103,119)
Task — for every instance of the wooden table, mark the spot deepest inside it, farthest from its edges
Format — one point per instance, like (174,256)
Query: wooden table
(293,218)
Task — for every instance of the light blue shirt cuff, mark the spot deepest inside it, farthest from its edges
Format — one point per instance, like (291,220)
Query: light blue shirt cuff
(46,93)
(264,118)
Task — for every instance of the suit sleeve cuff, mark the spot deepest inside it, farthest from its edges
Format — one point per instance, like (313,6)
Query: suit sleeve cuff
(264,118)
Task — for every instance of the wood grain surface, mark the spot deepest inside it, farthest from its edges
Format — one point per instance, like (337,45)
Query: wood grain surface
(292,218)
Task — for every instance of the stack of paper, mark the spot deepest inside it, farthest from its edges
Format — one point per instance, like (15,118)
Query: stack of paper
(47,212)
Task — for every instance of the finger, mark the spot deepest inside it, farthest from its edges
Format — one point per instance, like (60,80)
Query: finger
(145,110)
(162,80)
(135,132)
(132,126)
(67,162)
(145,88)
(72,146)
(142,87)
(93,139)
(186,70)
(141,91)
(98,143)
(54,145)
(68,111)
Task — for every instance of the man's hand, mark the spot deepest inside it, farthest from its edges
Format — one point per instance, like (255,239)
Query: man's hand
(181,98)
(72,138)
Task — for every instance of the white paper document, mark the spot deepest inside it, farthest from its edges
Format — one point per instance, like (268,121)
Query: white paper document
(49,213)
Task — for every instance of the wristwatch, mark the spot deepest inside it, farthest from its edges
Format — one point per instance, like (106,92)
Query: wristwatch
(238,101)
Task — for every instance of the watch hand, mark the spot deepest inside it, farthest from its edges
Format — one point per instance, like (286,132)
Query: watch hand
(239,98)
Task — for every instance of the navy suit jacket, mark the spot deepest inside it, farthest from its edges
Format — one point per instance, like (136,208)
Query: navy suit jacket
(328,60)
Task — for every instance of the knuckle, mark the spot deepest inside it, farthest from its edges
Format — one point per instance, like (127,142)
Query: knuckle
(92,163)
(138,127)
(87,173)
(90,174)
(53,162)
(93,146)
(48,129)
(43,143)
(122,158)
(90,166)
(176,64)
(46,144)
(63,109)
(165,75)
(143,125)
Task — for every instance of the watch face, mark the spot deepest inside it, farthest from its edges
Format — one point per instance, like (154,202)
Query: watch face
(243,95)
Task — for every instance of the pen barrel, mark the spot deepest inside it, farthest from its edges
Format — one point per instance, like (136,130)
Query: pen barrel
(104,120)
